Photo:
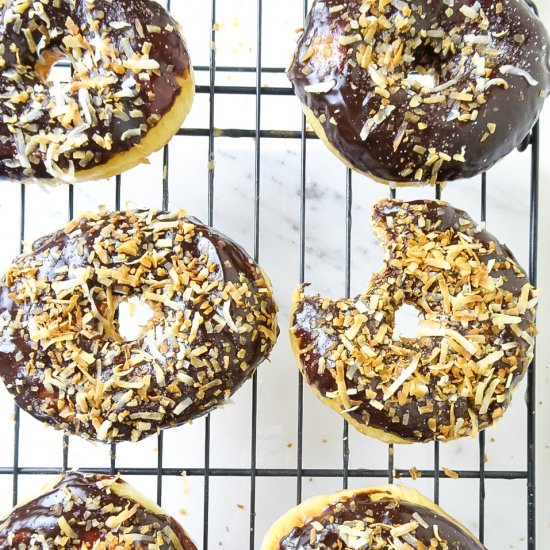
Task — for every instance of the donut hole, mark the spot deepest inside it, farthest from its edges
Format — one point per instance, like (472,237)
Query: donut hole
(430,68)
(407,322)
(134,318)
(53,68)
(425,57)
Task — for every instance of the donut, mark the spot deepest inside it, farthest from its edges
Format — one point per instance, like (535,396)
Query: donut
(91,511)
(132,86)
(64,355)
(475,340)
(413,92)
(377,517)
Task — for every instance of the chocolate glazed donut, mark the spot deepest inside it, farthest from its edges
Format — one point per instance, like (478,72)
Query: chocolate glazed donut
(91,511)
(475,340)
(378,517)
(132,86)
(424,91)
(213,321)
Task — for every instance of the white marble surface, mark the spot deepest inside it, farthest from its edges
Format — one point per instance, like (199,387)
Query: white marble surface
(508,217)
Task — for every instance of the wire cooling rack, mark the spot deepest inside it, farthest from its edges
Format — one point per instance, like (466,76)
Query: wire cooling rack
(213,91)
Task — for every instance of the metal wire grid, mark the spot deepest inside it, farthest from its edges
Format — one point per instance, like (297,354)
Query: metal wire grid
(253,472)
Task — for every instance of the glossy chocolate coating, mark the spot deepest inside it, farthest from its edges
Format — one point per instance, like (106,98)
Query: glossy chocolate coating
(517,34)
(97,38)
(403,227)
(86,506)
(208,334)
(388,512)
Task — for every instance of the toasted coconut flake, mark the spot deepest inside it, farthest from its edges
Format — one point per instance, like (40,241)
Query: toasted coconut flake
(173,538)
(152,346)
(342,389)
(497,82)
(139,64)
(182,406)
(450,473)
(470,347)
(66,529)
(384,112)
(503,319)
(523,302)
(21,149)
(85,105)
(404,529)
(115,522)
(376,404)
(227,316)
(320,87)
(400,135)
(403,377)
(104,430)
(477,38)
(153,416)
(489,396)
(490,359)
(469,11)
(420,520)
(517,71)
(131,133)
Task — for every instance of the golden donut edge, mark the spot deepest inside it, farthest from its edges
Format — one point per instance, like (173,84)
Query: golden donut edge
(155,139)
(336,404)
(313,121)
(309,509)
(115,484)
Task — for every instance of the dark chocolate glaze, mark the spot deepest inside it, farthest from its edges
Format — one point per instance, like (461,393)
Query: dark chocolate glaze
(85,504)
(108,32)
(344,109)
(388,512)
(318,336)
(201,382)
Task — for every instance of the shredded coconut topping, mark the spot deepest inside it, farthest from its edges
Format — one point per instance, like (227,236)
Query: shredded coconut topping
(474,343)
(213,321)
(112,98)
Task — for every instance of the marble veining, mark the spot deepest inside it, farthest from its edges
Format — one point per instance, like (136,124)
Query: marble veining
(279,249)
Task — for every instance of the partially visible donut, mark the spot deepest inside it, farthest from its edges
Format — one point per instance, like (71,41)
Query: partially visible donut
(475,341)
(132,86)
(377,517)
(422,91)
(63,357)
(91,511)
